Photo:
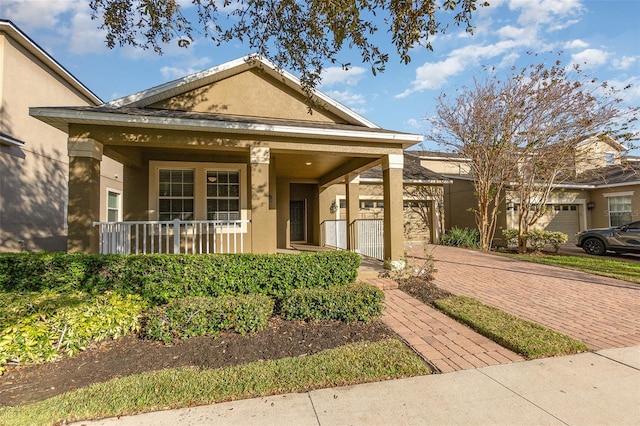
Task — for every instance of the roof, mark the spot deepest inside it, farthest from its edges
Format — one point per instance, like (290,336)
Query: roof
(134,111)
(32,47)
(412,172)
(615,175)
(202,78)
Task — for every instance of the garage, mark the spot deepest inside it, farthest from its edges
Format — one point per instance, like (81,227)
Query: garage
(563,218)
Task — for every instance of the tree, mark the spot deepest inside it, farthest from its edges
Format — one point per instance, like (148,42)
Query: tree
(303,36)
(522,133)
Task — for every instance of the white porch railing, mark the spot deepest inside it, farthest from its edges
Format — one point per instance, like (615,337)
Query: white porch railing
(334,234)
(176,236)
(369,235)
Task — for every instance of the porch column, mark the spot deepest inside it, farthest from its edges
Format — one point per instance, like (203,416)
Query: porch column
(392,166)
(353,210)
(85,156)
(263,217)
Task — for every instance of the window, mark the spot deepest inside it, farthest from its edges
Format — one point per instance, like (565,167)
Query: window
(609,158)
(113,206)
(175,194)
(223,195)
(619,210)
(197,191)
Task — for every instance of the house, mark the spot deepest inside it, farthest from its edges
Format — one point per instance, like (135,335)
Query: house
(34,164)
(423,198)
(233,158)
(604,190)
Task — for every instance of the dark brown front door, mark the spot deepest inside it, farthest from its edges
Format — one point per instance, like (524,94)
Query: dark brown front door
(298,220)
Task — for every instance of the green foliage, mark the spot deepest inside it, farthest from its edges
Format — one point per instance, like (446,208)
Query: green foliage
(206,316)
(461,237)
(526,338)
(185,387)
(39,327)
(354,302)
(536,239)
(160,279)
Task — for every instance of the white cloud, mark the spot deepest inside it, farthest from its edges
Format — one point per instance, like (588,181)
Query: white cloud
(84,36)
(576,44)
(347,97)
(35,14)
(511,32)
(625,62)
(589,58)
(335,75)
(188,67)
(552,12)
(630,95)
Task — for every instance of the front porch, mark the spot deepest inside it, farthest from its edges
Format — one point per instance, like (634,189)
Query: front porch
(231,159)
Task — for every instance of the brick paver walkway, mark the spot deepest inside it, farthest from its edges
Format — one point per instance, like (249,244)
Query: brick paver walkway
(444,342)
(602,312)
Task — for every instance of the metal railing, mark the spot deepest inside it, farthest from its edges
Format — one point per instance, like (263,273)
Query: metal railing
(176,236)
(368,234)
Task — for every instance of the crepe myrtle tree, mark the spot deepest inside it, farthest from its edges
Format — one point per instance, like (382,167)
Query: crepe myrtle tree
(521,132)
(303,36)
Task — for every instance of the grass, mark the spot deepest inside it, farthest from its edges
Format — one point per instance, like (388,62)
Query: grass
(528,339)
(185,387)
(627,271)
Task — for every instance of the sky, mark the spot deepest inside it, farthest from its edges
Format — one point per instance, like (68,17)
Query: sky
(602,36)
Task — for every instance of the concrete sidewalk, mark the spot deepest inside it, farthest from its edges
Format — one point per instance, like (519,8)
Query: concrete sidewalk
(600,388)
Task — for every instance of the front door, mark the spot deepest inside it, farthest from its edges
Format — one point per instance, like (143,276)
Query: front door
(298,220)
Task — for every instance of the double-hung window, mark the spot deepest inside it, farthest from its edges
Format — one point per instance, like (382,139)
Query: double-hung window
(619,210)
(223,195)
(176,194)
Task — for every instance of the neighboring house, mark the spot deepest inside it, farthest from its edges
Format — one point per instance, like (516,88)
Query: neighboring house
(34,164)
(605,191)
(422,200)
(235,152)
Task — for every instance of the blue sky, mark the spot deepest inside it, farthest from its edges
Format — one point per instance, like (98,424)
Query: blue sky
(603,36)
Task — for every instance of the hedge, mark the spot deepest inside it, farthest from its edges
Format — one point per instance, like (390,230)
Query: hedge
(354,302)
(160,279)
(207,316)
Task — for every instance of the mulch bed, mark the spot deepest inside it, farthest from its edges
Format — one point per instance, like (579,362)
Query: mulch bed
(132,355)
(423,290)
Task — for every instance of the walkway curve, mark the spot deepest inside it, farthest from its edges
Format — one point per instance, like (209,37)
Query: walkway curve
(602,312)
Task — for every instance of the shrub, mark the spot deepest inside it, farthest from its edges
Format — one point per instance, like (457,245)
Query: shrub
(207,316)
(160,279)
(39,327)
(537,239)
(461,237)
(354,302)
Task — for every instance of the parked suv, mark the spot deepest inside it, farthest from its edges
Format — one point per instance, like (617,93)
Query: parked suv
(621,239)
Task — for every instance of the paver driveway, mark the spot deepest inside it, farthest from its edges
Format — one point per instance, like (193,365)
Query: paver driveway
(602,312)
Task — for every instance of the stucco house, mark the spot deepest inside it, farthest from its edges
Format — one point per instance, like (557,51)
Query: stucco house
(604,192)
(34,165)
(233,158)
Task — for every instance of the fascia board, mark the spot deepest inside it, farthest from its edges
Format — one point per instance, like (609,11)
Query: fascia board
(218,125)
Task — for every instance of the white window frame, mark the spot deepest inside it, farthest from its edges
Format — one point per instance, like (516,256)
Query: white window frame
(119,193)
(617,195)
(200,188)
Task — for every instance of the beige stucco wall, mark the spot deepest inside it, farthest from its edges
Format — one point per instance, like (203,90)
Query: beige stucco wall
(33,178)
(600,213)
(592,154)
(268,98)
(446,166)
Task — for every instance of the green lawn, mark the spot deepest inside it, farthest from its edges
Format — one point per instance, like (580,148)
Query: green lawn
(627,271)
(185,387)
(526,338)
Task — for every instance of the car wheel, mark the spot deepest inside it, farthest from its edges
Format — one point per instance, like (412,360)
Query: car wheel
(594,246)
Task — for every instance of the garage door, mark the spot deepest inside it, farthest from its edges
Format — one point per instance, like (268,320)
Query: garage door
(564,218)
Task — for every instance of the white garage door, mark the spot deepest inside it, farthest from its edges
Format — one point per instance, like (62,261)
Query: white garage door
(564,218)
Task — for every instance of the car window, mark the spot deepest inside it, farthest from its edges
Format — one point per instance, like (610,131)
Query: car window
(634,225)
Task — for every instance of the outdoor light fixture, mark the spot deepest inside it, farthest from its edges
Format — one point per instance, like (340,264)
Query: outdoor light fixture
(333,208)
(308,163)
(591,205)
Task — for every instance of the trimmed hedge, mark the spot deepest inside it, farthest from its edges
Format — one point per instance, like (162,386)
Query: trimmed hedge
(159,279)
(354,302)
(207,316)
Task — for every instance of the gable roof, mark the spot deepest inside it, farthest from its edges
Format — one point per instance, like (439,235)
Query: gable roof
(9,28)
(203,78)
(615,175)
